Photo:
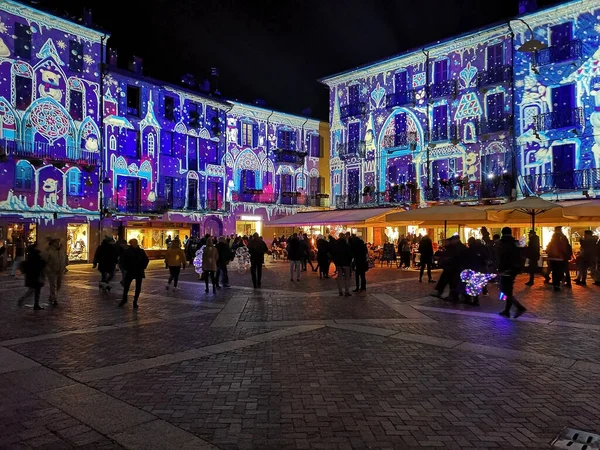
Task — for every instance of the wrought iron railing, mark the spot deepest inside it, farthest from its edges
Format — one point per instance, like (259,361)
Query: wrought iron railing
(497,187)
(51,153)
(349,150)
(254,197)
(494,75)
(400,196)
(400,98)
(573,180)
(213,205)
(400,140)
(444,88)
(285,156)
(440,134)
(453,190)
(558,53)
(353,110)
(561,118)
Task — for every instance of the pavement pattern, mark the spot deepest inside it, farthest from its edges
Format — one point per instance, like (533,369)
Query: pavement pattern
(295,366)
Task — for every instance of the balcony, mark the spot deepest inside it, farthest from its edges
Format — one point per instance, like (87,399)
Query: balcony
(495,125)
(561,118)
(251,196)
(290,157)
(497,187)
(293,198)
(51,153)
(353,110)
(318,200)
(572,180)
(440,89)
(351,150)
(558,53)
(398,195)
(454,190)
(494,75)
(401,98)
(134,206)
(166,204)
(400,141)
(213,205)
(442,134)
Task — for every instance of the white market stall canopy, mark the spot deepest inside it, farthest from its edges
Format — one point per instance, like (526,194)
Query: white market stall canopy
(357,217)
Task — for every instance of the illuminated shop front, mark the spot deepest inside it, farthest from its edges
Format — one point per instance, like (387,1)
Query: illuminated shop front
(248,225)
(78,245)
(153,235)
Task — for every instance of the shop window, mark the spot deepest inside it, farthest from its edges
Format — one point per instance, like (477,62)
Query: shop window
(22,40)
(77,241)
(76,56)
(74,183)
(154,238)
(24,176)
(23,88)
(76,105)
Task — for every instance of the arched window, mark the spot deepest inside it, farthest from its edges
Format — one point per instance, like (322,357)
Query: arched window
(151,145)
(74,184)
(24,176)
(113,143)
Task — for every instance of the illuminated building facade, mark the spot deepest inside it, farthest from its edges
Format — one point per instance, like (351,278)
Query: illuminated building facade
(438,124)
(49,128)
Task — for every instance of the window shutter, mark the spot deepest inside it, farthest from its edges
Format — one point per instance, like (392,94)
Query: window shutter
(279,136)
(254,135)
(239,135)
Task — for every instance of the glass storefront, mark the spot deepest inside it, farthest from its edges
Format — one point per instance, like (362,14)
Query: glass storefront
(248,225)
(155,238)
(78,242)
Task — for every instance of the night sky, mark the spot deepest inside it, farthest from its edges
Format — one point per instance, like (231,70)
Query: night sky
(276,50)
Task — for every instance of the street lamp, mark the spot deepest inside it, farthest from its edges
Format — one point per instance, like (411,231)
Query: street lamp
(532,45)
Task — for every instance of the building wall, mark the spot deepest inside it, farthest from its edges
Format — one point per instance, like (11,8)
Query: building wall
(49,123)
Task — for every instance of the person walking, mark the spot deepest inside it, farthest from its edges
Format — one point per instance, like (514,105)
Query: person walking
(121,247)
(509,263)
(33,269)
(174,261)
(19,255)
(342,257)
(306,257)
(135,261)
(532,253)
(587,256)
(323,251)
(209,264)
(294,251)
(558,255)
(105,259)
(257,249)
(476,257)
(426,251)
(168,241)
(225,256)
(361,264)
(55,268)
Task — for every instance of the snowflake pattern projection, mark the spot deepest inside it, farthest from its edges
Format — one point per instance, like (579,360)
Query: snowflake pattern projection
(475,281)
(88,60)
(3,27)
(49,121)
(380,120)
(61,45)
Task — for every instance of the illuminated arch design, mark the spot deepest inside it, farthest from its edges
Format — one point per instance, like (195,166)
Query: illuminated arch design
(88,128)
(9,123)
(314,173)
(181,128)
(228,160)
(247,160)
(192,132)
(75,84)
(267,166)
(151,144)
(192,175)
(49,119)
(204,134)
(494,148)
(119,163)
(469,133)
(112,142)
(285,170)
(145,170)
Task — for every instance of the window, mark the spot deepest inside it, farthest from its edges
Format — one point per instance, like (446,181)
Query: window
(75,56)
(440,123)
(133,101)
(286,139)
(192,194)
(168,190)
(23,176)
(353,94)
(113,143)
(286,183)
(151,144)
(495,56)
(314,185)
(194,115)
(392,175)
(131,146)
(74,184)
(166,143)
(247,179)
(495,111)
(76,105)
(563,106)
(315,145)
(400,126)
(561,34)
(23,87)
(440,71)
(169,108)
(192,153)
(401,81)
(22,41)
(247,132)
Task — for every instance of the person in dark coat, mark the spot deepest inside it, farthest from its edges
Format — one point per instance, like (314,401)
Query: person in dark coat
(294,252)
(105,259)
(532,253)
(509,261)
(426,251)
(452,264)
(342,257)
(559,252)
(305,246)
(257,249)
(225,256)
(33,269)
(476,258)
(587,256)
(361,264)
(323,250)
(135,262)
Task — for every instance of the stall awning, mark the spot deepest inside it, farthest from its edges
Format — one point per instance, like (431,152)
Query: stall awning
(365,217)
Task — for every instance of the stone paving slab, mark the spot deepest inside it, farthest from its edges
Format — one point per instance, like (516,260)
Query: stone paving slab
(160,435)
(11,361)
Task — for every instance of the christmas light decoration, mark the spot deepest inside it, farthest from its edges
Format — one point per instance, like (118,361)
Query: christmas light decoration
(475,281)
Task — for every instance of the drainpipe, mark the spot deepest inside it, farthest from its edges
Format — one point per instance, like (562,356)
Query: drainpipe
(513,183)
(304,162)
(426,53)
(103,72)
(221,163)
(267,148)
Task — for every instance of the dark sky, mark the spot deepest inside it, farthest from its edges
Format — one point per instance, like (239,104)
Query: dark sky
(276,49)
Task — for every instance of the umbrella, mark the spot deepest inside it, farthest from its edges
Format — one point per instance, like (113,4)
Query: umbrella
(532,206)
(439,213)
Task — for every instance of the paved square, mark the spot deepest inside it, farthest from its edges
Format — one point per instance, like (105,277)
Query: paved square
(295,366)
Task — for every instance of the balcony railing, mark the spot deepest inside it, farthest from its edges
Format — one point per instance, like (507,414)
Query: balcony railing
(441,134)
(134,206)
(445,88)
(561,118)
(353,110)
(213,205)
(349,150)
(496,124)
(497,187)
(166,204)
(249,197)
(400,98)
(558,53)
(453,191)
(45,151)
(400,141)
(400,196)
(291,157)
(573,180)
(494,75)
